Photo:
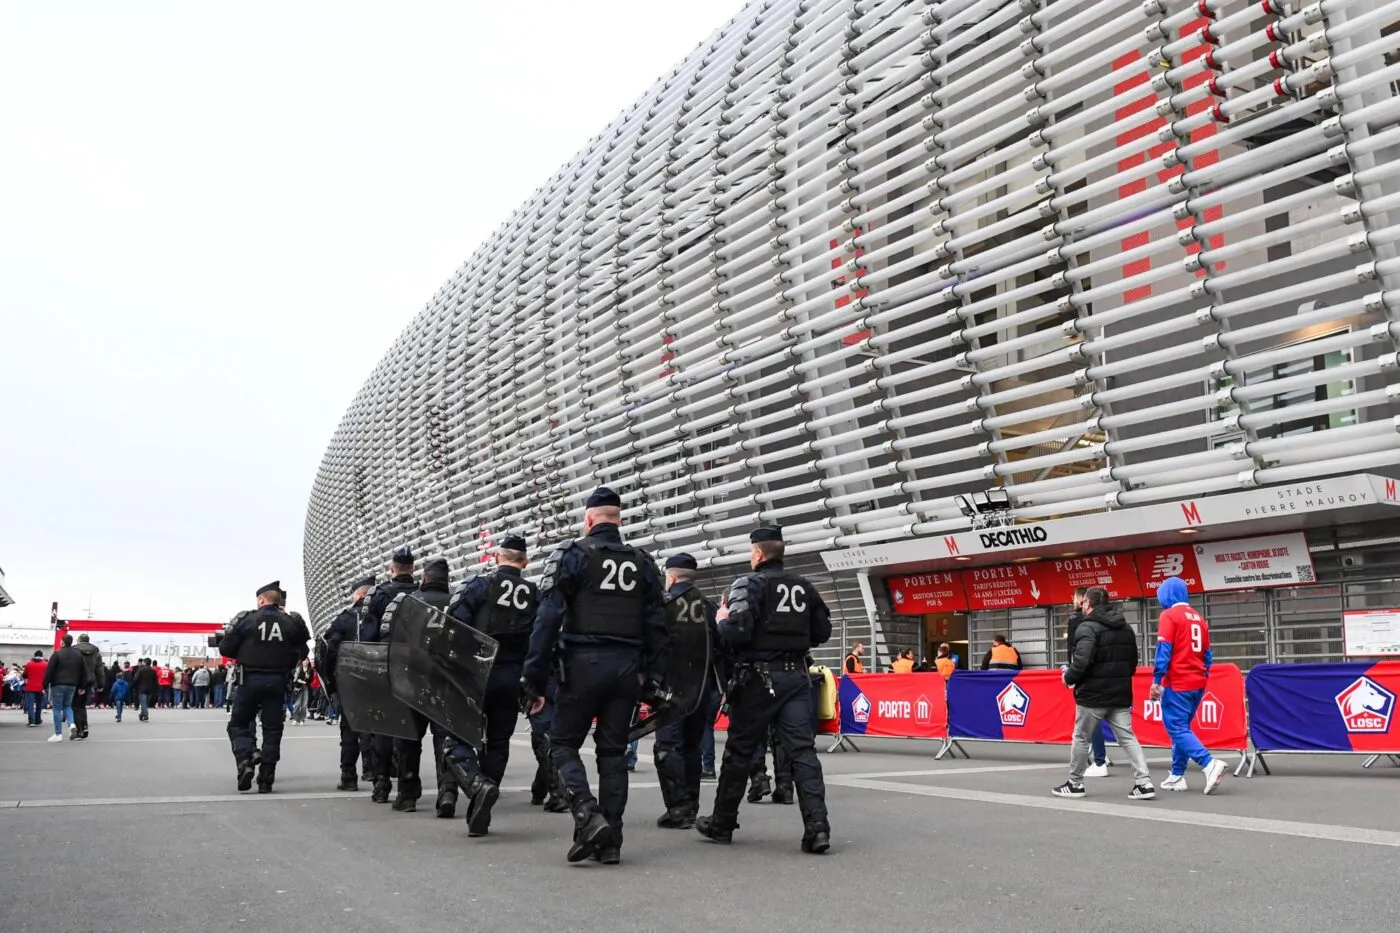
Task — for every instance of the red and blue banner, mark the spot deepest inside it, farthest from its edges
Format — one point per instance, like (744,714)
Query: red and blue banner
(1010,706)
(911,706)
(1220,721)
(1325,707)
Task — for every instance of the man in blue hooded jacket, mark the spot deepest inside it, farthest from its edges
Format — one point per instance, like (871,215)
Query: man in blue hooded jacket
(1179,676)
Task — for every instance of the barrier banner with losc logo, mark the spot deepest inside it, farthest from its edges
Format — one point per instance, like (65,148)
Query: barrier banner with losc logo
(1220,720)
(913,706)
(1011,706)
(1325,707)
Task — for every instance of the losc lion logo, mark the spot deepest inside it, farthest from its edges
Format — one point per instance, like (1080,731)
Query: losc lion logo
(860,708)
(1366,706)
(1013,705)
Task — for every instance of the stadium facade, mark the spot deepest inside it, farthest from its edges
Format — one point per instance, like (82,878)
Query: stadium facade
(959,293)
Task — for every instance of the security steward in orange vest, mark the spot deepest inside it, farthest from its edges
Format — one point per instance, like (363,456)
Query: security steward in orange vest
(944,663)
(1002,656)
(853,665)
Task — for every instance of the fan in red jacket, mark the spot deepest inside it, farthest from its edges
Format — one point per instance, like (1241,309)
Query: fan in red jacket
(34,673)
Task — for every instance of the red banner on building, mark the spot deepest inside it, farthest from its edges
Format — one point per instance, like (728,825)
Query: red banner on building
(1114,572)
(916,594)
(1016,586)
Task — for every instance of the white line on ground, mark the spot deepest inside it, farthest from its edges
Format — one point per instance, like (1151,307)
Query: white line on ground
(1141,811)
(231,798)
(981,769)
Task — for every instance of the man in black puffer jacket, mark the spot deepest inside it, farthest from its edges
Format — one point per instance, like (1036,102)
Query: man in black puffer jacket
(1102,660)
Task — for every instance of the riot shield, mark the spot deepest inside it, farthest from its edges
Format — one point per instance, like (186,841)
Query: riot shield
(439,667)
(687,671)
(366,701)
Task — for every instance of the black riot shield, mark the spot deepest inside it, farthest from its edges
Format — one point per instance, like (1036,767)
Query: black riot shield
(366,701)
(688,668)
(439,667)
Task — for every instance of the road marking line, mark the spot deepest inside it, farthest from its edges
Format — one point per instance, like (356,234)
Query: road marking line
(989,769)
(1142,811)
(231,798)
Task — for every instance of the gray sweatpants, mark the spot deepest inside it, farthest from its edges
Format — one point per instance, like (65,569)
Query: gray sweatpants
(1086,720)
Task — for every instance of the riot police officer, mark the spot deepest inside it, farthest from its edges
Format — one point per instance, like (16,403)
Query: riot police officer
(544,789)
(435,591)
(677,749)
(344,627)
(378,750)
(771,619)
(268,645)
(601,603)
(501,604)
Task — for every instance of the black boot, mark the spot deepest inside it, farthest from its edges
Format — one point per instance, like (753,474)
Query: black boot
(591,829)
(380,793)
(759,787)
(246,769)
(447,803)
(481,797)
(783,794)
(405,804)
(715,830)
(555,804)
(677,818)
(347,781)
(267,773)
(816,838)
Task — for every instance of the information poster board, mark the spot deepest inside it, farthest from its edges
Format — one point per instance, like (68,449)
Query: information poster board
(1371,633)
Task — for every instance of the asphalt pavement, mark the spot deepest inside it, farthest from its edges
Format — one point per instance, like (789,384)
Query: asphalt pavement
(140,828)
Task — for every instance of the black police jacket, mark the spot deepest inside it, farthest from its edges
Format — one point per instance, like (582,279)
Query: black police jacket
(680,592)
(343,628)
(267,641)
(378,599)
(502,604)
(565,576)
(770,593)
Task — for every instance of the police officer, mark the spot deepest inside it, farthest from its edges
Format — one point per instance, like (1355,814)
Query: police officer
(344,627)
(501,604)
(677,749)
(760,785)
(544,789)
(771,619)
(378,750)
(601,602)
(435,591)
(268,645)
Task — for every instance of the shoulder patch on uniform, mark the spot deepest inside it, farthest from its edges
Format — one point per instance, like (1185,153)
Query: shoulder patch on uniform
(551,566)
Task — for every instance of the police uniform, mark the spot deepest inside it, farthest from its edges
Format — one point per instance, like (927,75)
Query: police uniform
(676,752)
(408,754)
(544,789)
(268,645)
(345,627)
(774,619)
(501,604)
(378,750)
(601,604)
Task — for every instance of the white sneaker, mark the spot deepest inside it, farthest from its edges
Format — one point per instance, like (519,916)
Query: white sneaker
(1176,782)
(1096,771)
(72,731)
(1215,773)
(55,738)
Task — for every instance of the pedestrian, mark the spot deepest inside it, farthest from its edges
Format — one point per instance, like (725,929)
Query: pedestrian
(1002,656)
(120,689)
(601,602)
(218,683)
(165,679)
(707,738)
(904,664)
(301,684)
(63,679)
(200,682)
(34,673)
(186,691)
(1102,662)
(944,663)
(1179,675)
(501,604)
(769,621)
(268,645)
(145,683)
(1097,748)
(95,677)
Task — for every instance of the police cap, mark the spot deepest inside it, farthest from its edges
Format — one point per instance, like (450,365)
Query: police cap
(514,543)
(765,533)
(603,497)
(681,562)
(403,555)
(274,587)
(363,581)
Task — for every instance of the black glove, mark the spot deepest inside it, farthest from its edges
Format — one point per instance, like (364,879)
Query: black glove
(656,694)
(528,695)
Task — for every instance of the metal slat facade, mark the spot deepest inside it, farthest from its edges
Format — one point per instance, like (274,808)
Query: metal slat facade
(851,259)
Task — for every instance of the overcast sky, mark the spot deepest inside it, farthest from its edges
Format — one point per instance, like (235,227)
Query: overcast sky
(214,218)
